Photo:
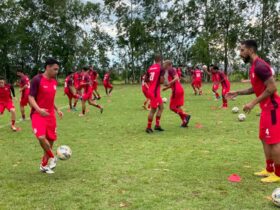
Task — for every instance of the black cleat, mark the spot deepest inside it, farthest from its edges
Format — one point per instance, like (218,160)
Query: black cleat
(149,130)
(101,110)
(185,124)
(158,128)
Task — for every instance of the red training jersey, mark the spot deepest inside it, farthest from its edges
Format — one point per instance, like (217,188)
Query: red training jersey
(43,90)
(154,73)
(106,78)
(5,93)
(223,79)
(69,81)
(176,86)
(197,75)
(260,71)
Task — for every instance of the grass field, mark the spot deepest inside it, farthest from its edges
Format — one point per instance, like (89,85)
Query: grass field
(116,165)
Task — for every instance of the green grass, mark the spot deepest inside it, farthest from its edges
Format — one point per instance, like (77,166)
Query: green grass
(115,164)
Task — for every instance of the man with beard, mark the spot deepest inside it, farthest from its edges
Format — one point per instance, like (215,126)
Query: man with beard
(264,86)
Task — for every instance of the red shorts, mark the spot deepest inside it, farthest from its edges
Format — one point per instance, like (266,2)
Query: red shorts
(44,126)
(145,91)
(225,90)
(24,98)
(6,105)
(270,126)
(87,94)
(197,83)
(215,87)
(107,85)
(176,99)
(69,93)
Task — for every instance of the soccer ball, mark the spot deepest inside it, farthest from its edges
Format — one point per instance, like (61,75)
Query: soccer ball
(241,117)
(63,152)
(164,100)
(276,196)
(235,109)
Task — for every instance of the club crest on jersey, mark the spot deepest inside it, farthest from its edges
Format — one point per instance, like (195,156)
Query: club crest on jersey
(54,87)
(267,134)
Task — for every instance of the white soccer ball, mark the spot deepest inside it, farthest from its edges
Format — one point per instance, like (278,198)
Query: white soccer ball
(63,152)
(241,117)
(235,109)
(164,100)
(276,196)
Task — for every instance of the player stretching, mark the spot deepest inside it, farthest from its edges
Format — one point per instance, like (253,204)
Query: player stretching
(106,82)
(196,81)
(155,77)
(145,91)
(215,80)
(24,85)
(177,96)
(6,101)
(86,85)
(41,99)
(265,89)
(225,85)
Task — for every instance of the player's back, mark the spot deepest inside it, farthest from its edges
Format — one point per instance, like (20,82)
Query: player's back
(198,74)
(154,76)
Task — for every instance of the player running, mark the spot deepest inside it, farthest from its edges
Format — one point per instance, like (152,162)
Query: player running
(215,80)
(225,85)
(107,84)
(265,89)
(24,89)
(155,77)
(145,91)
(6,101)
(70,91)
(41,99)
(77,81)
(196,81)
(87,90)
(177,96)
(94,76)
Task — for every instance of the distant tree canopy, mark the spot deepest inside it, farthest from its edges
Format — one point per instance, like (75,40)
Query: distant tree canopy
(186,31)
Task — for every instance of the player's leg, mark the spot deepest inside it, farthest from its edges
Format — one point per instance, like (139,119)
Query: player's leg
(22,111)
(13,119)
(193,87)
(111,89)
(150,120)
(215,90)
(225,102)
(269,162)
(158,116)
(93,103)
(199,85)
(97,94)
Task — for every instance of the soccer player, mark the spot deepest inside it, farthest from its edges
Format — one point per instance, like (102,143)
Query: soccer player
(196,81)
(87,90)
(77,81)
(225,85)
(24,85)
(94,76)
(70,91)
(215,80)
(106,82)
(6,101)
(41,99)
(265,89)
(177,96)
(145,91)
(155,77)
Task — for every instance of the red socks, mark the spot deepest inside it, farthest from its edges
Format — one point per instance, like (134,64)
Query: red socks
(50,153)
(149,123)
(269,165)
(157,121)
(224,102)
(45,160)
(277,169)
(13,122)
(217,95)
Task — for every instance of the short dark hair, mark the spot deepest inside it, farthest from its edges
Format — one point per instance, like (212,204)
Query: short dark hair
(215,67)
(157,58)
(250,43)
(2,77)
(85,68)
(20,70)
(51,61)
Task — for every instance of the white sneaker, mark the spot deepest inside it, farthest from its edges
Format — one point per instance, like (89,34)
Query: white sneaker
(52,162)
(46,169)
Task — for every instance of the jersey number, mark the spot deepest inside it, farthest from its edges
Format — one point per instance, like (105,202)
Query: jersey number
(152,75)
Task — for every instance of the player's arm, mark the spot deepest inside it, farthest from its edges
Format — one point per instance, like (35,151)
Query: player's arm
(58,111)
(233,94)
(208,72)
(271,88)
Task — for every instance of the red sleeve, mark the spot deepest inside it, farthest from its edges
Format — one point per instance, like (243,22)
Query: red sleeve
(35,84)
(263,71)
